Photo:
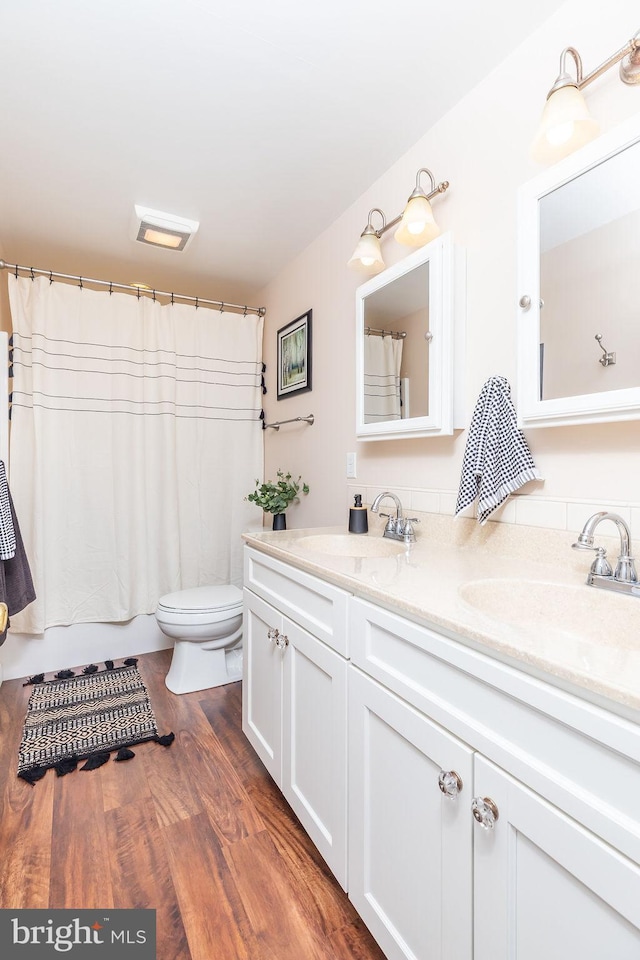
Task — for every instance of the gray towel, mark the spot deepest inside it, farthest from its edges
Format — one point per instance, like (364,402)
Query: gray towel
(16,585)
(497,460)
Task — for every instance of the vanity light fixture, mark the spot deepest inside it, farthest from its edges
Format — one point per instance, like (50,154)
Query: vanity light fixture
(417,226)
(367,255)
(566,123)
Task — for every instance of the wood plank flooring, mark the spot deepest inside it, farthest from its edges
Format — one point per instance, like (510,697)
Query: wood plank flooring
(197,831)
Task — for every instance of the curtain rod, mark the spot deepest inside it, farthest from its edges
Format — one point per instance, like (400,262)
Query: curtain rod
(375,332)
(199,301)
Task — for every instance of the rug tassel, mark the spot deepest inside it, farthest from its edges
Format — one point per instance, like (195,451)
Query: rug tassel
(124,754)
(66,766)
(32,776)
(37,678)
(166,740)
(131,662)
(64,674)
(97,760)
(109,664)
(92,668)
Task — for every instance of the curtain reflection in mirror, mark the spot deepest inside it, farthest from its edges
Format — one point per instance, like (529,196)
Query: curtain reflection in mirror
(382,361)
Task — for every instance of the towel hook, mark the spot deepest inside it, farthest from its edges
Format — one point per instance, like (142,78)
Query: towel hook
(609,358)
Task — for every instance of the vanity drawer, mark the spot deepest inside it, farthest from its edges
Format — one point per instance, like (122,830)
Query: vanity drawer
(319,607)
(577,755)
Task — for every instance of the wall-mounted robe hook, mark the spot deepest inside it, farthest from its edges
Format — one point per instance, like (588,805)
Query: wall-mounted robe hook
(609,358)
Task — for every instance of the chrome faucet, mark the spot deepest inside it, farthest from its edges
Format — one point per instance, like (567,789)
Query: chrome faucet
(624,578)
(398,527)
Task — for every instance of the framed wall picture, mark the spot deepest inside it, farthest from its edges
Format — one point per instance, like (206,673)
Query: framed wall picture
(294,356)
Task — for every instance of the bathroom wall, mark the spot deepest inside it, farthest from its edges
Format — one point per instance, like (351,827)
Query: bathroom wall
(482,147)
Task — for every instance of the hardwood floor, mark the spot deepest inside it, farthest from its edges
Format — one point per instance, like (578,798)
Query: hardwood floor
(198,831)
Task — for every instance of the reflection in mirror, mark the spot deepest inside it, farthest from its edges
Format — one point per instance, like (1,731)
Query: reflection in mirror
(396,349)
(590,280)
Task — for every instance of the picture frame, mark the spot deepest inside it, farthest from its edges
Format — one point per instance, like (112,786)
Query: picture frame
(294,356)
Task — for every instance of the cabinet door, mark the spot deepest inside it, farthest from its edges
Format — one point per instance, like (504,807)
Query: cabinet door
(262,683)
(544,886)
(410,846)
(314,777)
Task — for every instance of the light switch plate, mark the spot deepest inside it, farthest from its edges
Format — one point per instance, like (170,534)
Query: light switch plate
(351,466)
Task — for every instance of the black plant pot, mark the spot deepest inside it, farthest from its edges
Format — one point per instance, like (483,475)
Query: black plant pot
(279,521)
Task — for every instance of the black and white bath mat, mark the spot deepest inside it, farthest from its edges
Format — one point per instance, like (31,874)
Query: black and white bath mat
(84,718)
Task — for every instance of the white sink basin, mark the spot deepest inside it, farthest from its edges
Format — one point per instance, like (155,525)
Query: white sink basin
(583,612)
(350,545)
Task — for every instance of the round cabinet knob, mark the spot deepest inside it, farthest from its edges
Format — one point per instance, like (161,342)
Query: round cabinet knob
(282,641)
(525,302)
(450,783)
(272,634)
(485,811)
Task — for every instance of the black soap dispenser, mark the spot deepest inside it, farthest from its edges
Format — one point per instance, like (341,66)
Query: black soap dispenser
(358,521)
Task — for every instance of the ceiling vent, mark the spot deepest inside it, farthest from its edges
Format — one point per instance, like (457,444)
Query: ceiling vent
(163,229)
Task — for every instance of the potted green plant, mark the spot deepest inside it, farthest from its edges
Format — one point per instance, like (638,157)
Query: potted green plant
(275,496)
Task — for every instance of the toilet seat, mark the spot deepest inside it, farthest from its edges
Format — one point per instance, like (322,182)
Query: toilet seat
(218,603)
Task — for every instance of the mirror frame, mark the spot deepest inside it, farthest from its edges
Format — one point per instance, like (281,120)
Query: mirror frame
(601,407)
(445,305)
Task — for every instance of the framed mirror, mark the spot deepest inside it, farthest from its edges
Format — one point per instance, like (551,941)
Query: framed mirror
(408,331)
(579,286)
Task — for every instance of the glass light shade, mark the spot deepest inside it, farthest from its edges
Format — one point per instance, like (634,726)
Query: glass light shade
(418,225)
(565,126)
(367,256)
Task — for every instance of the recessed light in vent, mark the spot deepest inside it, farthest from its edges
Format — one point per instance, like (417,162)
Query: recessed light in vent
(163,229)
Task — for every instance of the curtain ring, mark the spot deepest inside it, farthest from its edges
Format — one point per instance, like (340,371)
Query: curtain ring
(16,271)
(244,312)
(110,287)
(222,307)
(154,296)
(138,293)
(171,299)
(196,303)
(33,276)
(50,277)
(80,283)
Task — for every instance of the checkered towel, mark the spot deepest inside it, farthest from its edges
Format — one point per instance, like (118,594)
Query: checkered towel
(497,460)
(7,532)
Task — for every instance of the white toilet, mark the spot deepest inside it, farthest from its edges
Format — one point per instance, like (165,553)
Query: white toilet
(206,624)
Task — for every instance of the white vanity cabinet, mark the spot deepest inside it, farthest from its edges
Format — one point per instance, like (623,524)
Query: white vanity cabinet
(295,695)
(544,886)
(410,845)
(554,873)
(491,815)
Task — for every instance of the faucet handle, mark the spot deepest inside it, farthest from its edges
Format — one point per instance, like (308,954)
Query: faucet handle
(391,523)
(601,566)
(407,529)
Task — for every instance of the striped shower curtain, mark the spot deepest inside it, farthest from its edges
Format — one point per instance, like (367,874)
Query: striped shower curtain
(382,360)
(135,436)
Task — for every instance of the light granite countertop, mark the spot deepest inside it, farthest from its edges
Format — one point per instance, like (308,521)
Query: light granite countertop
(516,593)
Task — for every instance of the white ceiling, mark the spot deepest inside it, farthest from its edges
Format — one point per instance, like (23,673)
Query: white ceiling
(262,119)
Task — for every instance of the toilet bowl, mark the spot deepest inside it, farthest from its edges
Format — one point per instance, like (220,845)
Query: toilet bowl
(206,625)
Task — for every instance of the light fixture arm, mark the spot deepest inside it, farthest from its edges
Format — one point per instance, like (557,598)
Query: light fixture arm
(630,49)
(564,78)
(418,192)
(629,70)
(370,230)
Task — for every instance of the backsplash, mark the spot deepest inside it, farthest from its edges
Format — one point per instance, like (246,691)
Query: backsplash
(519,509)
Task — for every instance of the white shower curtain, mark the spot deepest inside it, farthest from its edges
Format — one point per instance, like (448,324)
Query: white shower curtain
(382,359)
(135,436)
